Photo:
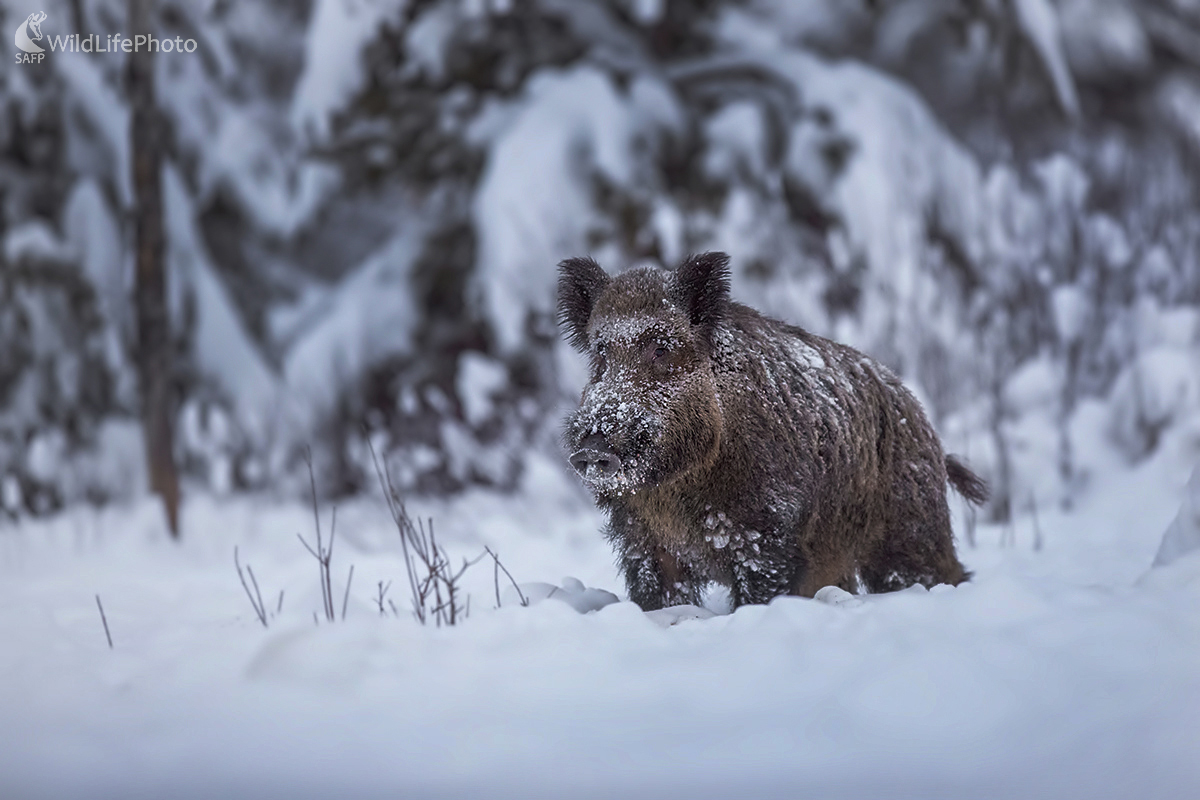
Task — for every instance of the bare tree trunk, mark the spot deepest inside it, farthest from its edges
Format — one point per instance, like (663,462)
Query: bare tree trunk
(1001,506)
(1072,356)
(153,348)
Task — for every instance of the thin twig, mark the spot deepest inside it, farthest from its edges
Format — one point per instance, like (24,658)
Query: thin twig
(403,525)
(104,619)
(496,579)
(323,558)
(322,554)
(520,594)
(346,596)
(328,557)
(312,482)
(306,547)
(383,590)
(255,597)
(433,583)
(332,532)
(254,581)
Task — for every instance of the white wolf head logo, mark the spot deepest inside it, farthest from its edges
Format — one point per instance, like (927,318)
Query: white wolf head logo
(32,24)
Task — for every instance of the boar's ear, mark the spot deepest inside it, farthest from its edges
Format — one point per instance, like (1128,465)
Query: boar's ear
(702,287)
(580,282)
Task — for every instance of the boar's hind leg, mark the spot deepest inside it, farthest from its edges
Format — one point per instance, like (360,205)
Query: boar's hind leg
(911,555)
(826,569)
(916,545)
(658,579)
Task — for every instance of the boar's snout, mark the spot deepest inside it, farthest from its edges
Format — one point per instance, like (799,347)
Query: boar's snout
(595,459)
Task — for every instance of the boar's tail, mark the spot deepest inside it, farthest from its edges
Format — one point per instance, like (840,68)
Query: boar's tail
(966,482)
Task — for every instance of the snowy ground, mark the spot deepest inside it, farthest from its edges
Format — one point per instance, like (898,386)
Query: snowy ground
(1070,671)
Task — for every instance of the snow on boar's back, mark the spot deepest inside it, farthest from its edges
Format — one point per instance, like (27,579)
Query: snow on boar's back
(729,447)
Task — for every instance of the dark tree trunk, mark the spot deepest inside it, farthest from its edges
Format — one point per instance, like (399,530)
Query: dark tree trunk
(153,348)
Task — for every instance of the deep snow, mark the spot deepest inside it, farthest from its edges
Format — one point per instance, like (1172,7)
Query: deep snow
(1068,667)
(1071,670)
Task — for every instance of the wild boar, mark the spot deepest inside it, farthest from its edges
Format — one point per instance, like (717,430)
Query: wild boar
(733,448)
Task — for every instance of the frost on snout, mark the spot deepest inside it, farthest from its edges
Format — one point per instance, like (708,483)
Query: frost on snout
(595,460)
(609,439)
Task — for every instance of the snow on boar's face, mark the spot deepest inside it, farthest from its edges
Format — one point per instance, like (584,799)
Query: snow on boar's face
(649,414)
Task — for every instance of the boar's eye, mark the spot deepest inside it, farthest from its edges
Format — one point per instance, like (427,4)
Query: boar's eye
(599,361)
(655,351)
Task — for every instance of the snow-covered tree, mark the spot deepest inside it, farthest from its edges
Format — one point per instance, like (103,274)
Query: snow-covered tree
(365,203)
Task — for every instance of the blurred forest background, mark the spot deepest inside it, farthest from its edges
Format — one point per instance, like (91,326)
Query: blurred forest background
(363,204)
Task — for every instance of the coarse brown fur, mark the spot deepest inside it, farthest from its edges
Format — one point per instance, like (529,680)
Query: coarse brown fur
(730,447)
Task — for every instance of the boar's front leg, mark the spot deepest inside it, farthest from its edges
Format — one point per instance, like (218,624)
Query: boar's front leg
(657,578)
(763,567)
